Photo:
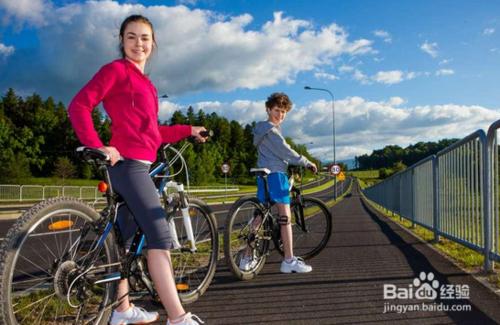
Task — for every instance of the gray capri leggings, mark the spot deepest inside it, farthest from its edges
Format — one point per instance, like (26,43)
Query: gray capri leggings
(142,207)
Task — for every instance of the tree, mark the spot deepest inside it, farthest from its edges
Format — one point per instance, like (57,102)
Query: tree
(17,167)
(64,168)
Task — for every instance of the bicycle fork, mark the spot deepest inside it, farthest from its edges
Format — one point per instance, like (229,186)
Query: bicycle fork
(186,218)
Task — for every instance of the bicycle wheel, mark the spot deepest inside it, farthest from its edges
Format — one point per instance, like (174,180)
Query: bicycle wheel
(194,271)
(311,235)
(40,267)
(246,236)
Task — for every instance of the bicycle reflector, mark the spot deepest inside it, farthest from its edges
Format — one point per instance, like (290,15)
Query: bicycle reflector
(102,187)
(60,225)
(182,286)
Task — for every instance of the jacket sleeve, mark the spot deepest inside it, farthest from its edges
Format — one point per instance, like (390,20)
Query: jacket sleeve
(81,107)
(282,149)
(174,133)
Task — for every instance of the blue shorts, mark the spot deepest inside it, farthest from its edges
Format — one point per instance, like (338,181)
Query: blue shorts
(278,188)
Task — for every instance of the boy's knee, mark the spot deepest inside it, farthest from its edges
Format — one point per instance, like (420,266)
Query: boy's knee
(284,220)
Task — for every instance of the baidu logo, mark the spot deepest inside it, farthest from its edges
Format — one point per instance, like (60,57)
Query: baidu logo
(424,290)
(425,286)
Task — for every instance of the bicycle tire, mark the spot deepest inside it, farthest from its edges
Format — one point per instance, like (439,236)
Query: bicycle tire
(37,258)
(193,272)
(236,237)
(318,221)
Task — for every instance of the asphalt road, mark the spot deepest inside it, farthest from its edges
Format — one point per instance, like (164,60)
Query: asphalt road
(366,252)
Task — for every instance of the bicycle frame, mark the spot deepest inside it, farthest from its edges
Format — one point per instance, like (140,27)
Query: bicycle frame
(109,216)
(296,197)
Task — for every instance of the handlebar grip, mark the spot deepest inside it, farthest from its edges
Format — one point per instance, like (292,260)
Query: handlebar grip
(206,134)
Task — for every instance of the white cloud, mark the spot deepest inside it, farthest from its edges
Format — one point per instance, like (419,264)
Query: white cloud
(384,77)
(383,35)
(488,31)
(389,77)
(325,75)
(395,76)
(6,50)
(361,125)
(445,61)
(430,48)
(198,49)
(346,68)
(30,11)
(445,72)
(361,77)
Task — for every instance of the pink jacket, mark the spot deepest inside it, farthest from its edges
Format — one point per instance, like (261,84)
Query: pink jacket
(131,101)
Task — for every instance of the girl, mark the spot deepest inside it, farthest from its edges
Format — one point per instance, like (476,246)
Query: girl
(131,101)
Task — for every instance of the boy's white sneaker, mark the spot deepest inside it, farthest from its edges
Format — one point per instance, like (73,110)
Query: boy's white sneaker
(297,265)
(188,319)
(133,315)
(247,263)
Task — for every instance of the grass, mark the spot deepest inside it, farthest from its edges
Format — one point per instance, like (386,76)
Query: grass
(364,173)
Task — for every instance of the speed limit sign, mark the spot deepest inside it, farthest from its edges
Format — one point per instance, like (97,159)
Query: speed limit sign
(335,169)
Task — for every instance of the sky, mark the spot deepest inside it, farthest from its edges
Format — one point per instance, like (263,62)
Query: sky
(400,71)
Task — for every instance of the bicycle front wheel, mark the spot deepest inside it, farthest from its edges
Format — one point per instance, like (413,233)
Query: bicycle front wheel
(42,280)
(194,271)
(311,227)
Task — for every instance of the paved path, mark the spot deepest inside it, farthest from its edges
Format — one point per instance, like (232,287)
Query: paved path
(346,286)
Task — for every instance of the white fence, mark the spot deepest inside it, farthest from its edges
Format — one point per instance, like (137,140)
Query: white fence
(26,193)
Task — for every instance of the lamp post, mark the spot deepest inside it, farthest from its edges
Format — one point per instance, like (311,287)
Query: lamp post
(333,124)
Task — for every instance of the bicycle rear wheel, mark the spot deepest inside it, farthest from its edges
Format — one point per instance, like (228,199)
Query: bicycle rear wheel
(40,277)
(194,271)
(246,236)
(311,227)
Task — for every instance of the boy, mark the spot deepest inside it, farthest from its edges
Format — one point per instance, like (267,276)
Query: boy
(275,154)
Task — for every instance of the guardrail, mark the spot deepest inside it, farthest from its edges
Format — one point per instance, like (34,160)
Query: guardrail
(454,193)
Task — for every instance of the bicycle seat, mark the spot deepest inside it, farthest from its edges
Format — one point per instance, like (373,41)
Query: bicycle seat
(260,171)
(92,154)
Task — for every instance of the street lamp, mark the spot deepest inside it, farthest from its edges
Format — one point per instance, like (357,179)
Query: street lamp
(333,123)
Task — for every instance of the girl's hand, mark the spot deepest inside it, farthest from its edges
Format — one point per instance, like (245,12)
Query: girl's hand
(113,154)
(195,132)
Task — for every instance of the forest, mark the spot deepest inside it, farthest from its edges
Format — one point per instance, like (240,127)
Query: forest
(37,140)
(393,158)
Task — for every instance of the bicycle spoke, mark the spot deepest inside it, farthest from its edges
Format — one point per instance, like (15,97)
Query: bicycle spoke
(43,267)
(34,303)
(35,265)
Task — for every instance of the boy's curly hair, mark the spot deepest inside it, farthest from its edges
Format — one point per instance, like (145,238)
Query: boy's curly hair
(280,100)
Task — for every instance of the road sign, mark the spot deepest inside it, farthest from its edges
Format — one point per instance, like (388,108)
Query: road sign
(335,169)
(341,177)
(225,168)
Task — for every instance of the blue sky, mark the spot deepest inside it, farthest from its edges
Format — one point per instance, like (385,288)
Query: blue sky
(401,71)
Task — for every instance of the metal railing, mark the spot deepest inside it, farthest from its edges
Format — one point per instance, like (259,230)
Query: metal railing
(454,193)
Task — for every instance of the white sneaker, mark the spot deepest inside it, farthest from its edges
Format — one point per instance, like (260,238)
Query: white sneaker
(189,319)
(297,265)
(247,263)
(133,315)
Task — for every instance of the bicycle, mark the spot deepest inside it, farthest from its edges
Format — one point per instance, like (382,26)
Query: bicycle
(252,225)
(60,262)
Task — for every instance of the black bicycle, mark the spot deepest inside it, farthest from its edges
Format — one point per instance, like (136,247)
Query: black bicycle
(252,225)
(60,262)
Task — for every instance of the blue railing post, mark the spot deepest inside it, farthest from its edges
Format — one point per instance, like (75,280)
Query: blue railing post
(436,225)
